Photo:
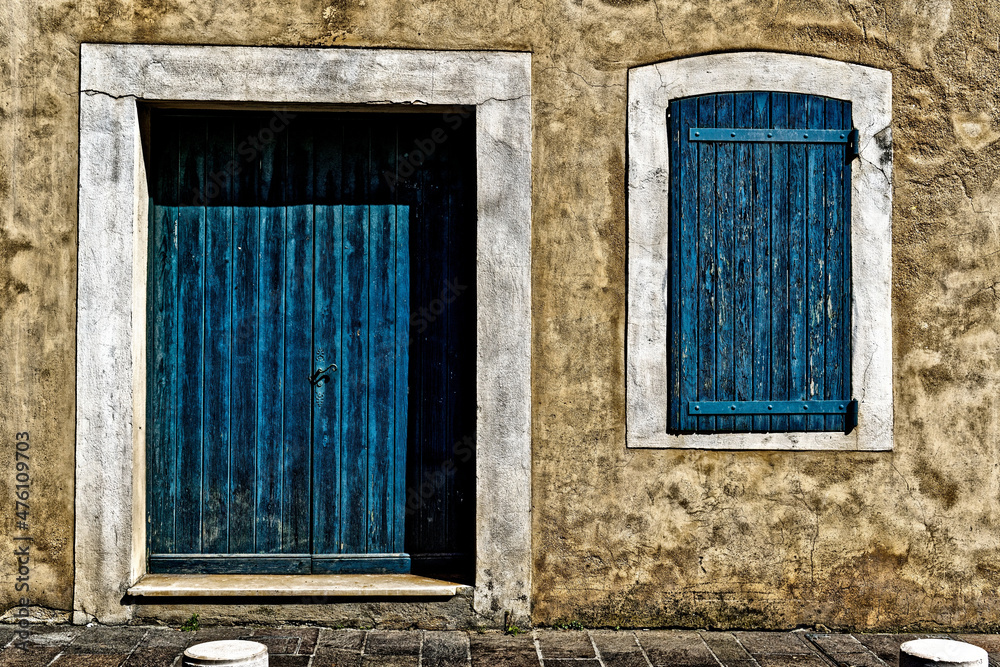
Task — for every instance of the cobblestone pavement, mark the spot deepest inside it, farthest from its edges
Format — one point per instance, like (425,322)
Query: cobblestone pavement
(100,646)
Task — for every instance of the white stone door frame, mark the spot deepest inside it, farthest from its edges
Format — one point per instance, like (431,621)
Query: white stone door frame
(110,549)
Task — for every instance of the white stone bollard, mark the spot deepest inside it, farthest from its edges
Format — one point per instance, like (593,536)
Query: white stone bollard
(941,653)
(226,653)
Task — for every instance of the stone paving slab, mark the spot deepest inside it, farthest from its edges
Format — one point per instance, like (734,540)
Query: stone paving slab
(147,646)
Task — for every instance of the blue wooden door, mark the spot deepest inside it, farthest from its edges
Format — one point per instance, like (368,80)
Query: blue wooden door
(278,361)
(760,270)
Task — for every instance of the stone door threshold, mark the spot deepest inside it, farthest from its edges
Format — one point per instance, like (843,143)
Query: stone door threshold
(293,585)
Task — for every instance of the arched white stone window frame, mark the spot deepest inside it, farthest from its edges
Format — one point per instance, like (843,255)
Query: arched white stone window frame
(650,90)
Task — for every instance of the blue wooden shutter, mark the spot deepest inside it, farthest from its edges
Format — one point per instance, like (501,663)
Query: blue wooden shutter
(760,264)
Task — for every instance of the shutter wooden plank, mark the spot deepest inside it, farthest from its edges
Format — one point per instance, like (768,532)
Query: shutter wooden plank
(797,260)
(706,276)
(761,263)
(816,266)
(298,362)
(779,261)
(834,266)
(725,253)
(381,346)
(743,228)
(327,332)
(688,264)
(270,357)
(674,125)
(845,346)
(218,334)
(401,247)
(191,339)
(246,248)
(354,367)
(162,341)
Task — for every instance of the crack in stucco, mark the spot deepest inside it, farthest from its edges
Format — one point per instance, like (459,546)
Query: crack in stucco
(91,92)
(868,365)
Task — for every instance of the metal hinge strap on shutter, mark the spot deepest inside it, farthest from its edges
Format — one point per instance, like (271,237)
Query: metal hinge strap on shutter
(847,137)
(773,136)
(847,408)
(785,136)
(770,407)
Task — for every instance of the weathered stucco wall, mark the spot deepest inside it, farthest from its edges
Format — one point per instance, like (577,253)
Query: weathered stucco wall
(629,537)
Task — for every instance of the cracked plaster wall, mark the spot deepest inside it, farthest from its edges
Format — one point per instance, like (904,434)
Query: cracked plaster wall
(621,537)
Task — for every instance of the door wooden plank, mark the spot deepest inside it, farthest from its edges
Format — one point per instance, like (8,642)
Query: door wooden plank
(355,168)
(743,226)
(218,335)
(381,348)
(381,334)
(246,281)
(707,268)
(163,358)
(328,161)
(453,489)
(412,188)
(327,337)
(816,266)
(298,364)
(401,247)
(725,249)
(354,368)
(191,335)
(461,560)
(387,563)
(271,341)
(230,564)
(761,265)
(163,368)
(270,379)
(326,399)
(298,368)
(779,261)
(688,111)
(434,178)
(797,260)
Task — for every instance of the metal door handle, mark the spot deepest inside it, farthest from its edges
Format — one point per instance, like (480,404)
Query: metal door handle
(320,375)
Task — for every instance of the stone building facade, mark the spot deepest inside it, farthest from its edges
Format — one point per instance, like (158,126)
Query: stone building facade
(584,504)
